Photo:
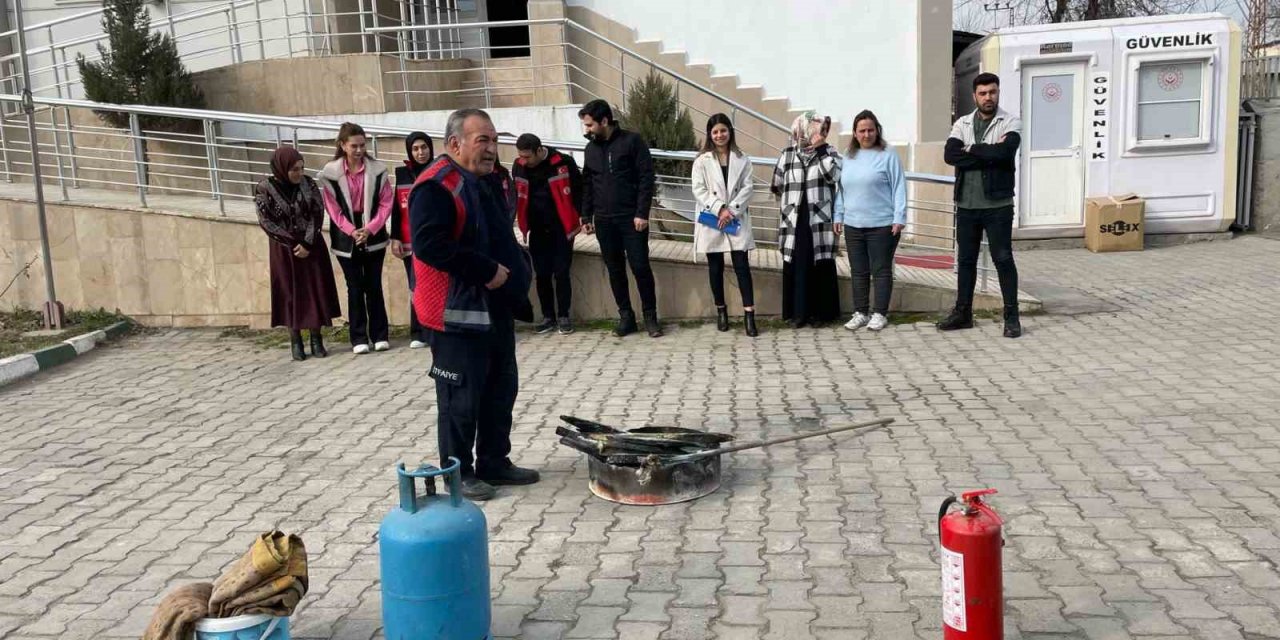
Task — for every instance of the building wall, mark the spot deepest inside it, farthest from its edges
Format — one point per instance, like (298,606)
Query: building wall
(1266,172)
(838,57)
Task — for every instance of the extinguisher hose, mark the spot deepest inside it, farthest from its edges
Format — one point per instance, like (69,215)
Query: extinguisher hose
(942,512)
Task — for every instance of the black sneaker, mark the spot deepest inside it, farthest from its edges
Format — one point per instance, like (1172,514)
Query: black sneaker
(961,317)
(626,324)
(566,326)
(652,326)
(474,488)
(546,326)
(509,475)
(1012,325)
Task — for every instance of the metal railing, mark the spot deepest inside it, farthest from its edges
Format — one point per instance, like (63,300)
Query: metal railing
(222,155)
(1260,78)
(215,35)
(586,65)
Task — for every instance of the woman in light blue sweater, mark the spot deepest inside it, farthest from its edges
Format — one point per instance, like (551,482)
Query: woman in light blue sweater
(871,210)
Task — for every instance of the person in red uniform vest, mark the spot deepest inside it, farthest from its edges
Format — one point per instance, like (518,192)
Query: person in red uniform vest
(420,150)
(472,284)
(548,199)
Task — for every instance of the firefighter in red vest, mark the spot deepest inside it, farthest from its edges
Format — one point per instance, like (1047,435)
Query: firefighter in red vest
(472,283)
(548,199)
(420,150)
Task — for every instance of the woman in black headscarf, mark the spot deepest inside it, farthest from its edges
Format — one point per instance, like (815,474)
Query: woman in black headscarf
(418,146)
(303,292)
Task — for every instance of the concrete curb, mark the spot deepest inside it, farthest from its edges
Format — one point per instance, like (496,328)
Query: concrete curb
(17,367)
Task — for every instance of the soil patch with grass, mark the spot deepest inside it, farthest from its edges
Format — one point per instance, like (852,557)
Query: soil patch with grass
(14,325)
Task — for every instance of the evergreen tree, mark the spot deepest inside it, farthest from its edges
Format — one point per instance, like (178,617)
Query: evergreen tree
(654,112)
(137,67)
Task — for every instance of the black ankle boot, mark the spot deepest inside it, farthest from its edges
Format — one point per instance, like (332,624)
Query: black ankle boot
(295,345)
(1012,325)
(317,344)
(651,325)
(961,317)
(626,324)
(749,318)
(722,318)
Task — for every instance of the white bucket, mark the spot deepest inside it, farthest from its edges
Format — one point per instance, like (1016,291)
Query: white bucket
(254,627)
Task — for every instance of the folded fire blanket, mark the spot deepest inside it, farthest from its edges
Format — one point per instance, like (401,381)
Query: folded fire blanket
(270,578)
(175,617)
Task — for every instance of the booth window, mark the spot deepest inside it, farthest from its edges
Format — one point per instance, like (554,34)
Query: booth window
(1171,102)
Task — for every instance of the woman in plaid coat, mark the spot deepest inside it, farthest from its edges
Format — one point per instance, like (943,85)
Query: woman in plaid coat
(805,182)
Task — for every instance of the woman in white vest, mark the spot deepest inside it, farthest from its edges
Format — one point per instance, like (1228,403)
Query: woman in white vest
(358,194)
(722,186)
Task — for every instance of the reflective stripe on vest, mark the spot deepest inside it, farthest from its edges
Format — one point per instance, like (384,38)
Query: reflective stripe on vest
(441,302)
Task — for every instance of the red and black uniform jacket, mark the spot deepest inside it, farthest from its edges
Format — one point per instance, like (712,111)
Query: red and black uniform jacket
(461,233)
(406,178)
(562,179)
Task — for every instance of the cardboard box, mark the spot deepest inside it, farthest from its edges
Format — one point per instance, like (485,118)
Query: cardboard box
(1114,223)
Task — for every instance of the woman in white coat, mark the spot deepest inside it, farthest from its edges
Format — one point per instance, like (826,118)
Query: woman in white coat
(722,187)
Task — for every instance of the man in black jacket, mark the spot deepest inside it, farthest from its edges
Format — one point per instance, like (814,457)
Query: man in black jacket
(618,190)
(473,283)
(983,147)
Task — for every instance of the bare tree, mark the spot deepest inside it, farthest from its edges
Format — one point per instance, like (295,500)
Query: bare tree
(1020,12)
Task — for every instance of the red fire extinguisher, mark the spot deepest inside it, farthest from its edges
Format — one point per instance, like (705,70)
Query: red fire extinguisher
(972,586)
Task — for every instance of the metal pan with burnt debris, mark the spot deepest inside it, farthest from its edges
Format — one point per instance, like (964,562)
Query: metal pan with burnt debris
(664,465)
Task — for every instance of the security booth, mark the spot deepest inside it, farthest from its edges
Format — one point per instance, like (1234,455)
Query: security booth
(1145,106)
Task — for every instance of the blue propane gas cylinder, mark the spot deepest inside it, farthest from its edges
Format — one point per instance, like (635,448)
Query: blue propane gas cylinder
(434,557)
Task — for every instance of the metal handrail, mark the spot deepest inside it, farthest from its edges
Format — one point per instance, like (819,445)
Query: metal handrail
(54,22)
(186,171)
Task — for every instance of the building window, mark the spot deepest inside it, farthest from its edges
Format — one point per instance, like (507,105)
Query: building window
(1171,102)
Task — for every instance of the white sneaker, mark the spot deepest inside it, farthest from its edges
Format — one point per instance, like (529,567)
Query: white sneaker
(381,345)
(878,322)
(417,344)
(360,349)
(858,321)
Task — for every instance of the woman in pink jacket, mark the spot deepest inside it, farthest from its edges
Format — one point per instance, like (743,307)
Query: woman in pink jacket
(358,194)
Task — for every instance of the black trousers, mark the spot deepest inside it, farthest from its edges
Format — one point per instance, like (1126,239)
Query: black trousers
(620,245)
(871,252)
(366,307)
(552,255)
(741,267)
(416,330)
(476,386)
(998,225)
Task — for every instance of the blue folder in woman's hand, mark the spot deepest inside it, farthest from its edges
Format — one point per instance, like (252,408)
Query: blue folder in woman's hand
(712,220)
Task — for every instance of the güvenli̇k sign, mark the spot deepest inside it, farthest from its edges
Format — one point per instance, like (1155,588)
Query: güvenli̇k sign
(1114,223)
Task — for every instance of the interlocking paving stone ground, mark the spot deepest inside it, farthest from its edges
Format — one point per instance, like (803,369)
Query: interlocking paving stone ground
(1136,451)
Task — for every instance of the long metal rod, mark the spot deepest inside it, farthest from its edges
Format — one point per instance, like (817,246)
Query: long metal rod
(870,425)
(53,310)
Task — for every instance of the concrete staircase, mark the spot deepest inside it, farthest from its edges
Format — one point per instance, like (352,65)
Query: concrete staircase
(756,137)
(511,82)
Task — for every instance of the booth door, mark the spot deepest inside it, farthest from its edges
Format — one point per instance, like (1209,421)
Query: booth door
(1052,188)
